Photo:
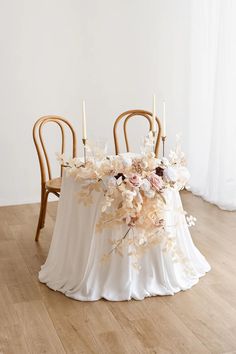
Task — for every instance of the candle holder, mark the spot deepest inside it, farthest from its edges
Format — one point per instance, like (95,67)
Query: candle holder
(84,143)
(163,138)
(154,136)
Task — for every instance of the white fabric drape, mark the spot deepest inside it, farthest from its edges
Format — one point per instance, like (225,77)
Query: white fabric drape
(74,266)
(212,105)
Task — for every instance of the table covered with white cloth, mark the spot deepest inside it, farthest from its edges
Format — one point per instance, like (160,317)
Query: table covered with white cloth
(75,264)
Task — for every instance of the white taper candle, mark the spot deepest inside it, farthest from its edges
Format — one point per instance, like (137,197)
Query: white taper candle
(164,120)
(84,122)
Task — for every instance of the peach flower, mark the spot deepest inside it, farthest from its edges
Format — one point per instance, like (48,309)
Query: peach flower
(156,181)
(135,180)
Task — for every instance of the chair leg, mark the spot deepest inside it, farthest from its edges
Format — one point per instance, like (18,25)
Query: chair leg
(44,209)
(41,213)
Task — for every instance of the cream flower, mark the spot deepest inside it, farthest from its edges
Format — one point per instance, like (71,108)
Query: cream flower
(87,172)
(146,185)
(170,174)
(129,195)
(126,161)
(110,182)
(165,161)
(144,163)
(106,168)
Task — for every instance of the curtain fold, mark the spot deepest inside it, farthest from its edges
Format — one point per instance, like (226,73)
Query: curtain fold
(212,102)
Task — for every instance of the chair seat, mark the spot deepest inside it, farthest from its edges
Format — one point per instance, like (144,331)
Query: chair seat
(54,184)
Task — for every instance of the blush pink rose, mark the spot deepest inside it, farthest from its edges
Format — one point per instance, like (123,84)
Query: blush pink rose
(156,181)
(135,180)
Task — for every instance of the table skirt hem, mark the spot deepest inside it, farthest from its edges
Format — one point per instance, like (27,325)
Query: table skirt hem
(104,295)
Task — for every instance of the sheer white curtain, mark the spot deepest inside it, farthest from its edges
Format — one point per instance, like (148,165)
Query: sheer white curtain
(212,119)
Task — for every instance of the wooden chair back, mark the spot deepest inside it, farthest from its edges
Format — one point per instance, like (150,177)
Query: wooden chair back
(126,117)
(44,162)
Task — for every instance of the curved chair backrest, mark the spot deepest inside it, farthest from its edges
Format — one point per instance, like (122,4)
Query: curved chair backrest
(40,144)
(126,116)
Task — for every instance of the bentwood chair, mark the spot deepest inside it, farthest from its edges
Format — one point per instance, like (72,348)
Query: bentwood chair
(126,117)
(49,184)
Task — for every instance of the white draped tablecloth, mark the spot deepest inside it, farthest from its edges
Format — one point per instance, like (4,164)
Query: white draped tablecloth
(74,265)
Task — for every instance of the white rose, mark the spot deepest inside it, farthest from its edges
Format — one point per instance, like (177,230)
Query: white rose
(146,185)
(170,174)
(165,161)
(126,161)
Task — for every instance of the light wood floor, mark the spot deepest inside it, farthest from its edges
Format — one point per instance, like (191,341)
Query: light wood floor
(34,319)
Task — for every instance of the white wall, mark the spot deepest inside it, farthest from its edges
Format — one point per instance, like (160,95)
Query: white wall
(115,54)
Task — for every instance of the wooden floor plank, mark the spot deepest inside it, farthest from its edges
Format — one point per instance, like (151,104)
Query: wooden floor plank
(12,340)
(207,316)
(39,332)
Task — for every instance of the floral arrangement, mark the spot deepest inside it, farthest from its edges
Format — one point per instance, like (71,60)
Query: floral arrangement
(134,189)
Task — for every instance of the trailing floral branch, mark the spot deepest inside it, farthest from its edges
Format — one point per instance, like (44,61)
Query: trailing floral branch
(135,188)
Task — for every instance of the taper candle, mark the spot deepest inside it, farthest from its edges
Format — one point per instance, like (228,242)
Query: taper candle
(84,122)
(164,120)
